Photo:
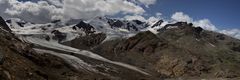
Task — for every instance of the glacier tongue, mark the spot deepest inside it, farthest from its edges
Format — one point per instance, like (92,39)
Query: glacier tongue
(77,63)
(60,47)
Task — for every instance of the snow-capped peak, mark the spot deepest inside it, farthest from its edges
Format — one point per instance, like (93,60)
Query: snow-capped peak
(112,27)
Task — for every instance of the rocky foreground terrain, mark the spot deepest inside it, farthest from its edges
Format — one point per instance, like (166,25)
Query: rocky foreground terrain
(179,51)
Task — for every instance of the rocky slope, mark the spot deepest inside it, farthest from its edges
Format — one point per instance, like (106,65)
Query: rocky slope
(28,57)
(182,51)
(20,62)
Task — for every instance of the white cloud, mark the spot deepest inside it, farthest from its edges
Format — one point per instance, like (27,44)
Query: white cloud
(40,12)
(158,14)
(233,32)
(205,24)
(150,20)
(143,2)
(148,2)
(180,16)
(153,19)
(47,10)
(135,17)
(86,9)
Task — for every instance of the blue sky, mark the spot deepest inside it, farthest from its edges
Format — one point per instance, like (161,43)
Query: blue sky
(224,14)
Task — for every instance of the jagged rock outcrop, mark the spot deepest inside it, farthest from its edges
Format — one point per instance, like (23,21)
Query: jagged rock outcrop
(221,37)
(131,26)
(57,35)
(21,24)
(184,27)
(87,28)
(157,23)
(3,25)
(138,22)
(197,31)
(116,23)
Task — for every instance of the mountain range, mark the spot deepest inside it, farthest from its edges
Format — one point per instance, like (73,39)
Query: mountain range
(115,49)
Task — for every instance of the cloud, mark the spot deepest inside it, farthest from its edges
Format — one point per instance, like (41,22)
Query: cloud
(40,12)
(233,32)
(151,19)
(135,17)
(205,24)
(158,14)
(58,3)
(86,9)
(148,2)
(180,16)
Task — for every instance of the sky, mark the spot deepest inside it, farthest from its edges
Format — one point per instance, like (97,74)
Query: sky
(214,15)
(222,13)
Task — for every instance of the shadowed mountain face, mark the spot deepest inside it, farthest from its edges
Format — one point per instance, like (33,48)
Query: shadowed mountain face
(3,25)
(177,50)
(86,42)
(158,23)
(87,28)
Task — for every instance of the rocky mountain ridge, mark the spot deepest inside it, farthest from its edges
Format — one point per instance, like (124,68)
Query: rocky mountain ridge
(113,49)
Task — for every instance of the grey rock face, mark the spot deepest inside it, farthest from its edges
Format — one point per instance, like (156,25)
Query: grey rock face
(3,25)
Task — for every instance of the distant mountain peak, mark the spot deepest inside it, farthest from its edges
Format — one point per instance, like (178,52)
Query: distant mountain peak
(87,28)
(158,23)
